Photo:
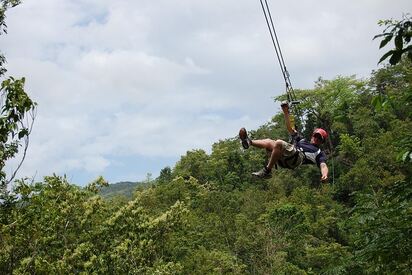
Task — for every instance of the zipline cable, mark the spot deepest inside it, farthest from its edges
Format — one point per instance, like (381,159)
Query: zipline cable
(275,41)
(290,93)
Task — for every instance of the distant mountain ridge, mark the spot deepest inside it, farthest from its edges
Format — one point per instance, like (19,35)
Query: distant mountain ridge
(124,188)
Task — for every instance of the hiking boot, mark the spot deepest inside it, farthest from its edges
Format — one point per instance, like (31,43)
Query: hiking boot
(244,138)
(264,173)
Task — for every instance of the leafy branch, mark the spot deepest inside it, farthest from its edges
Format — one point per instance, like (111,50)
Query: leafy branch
(401,33)
(15,125)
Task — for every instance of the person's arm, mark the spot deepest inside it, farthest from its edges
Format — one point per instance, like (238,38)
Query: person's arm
(285,109)
(324,171)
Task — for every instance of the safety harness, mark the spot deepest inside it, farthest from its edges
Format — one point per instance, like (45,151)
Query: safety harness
(291,162)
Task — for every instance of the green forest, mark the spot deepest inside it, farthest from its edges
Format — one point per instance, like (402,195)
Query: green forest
(208,215)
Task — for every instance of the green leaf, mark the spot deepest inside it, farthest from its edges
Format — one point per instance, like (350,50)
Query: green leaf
(386,55)
(380,35)
(23,132)
(385,41)
(399,42)
(395,58)
(377,102)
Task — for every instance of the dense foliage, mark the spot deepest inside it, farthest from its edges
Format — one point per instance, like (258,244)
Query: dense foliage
(207,215)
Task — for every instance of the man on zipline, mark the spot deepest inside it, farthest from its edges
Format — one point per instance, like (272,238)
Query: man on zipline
(289,155)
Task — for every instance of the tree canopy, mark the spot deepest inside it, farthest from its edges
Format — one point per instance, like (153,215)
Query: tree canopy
(207,215)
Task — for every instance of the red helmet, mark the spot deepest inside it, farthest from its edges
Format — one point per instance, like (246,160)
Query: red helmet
(321,132)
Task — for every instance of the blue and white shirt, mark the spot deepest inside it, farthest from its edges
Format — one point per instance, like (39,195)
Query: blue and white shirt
(312,152)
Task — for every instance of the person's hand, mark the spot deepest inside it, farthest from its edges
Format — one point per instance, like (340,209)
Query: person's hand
(285,107)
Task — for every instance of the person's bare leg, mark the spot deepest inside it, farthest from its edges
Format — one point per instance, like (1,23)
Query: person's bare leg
(275,148)
(267,143)
(276,154)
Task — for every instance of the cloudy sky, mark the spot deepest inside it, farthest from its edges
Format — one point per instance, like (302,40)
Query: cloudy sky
(126,87)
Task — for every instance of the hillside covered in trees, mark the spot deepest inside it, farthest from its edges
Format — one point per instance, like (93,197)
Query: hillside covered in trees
(207,215)
(122,189)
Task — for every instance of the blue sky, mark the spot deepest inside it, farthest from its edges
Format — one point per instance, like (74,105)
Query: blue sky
(127,87)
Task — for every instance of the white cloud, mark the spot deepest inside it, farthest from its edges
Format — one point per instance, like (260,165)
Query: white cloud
(152,79)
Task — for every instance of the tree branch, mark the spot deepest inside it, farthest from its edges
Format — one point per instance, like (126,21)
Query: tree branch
(26,146)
